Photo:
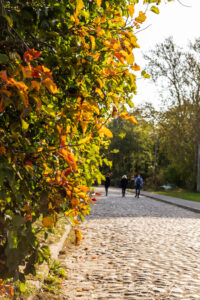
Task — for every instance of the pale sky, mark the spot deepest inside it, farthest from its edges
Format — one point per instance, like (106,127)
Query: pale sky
(180,22)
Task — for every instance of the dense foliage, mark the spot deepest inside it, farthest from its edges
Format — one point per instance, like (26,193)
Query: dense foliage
(66,68)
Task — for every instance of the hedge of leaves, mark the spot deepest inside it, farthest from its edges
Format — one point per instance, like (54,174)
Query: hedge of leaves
(66,69)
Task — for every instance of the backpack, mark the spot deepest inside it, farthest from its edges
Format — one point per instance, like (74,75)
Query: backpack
(138,182)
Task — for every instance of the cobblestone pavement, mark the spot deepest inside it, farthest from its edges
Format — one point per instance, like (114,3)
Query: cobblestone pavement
(135,249)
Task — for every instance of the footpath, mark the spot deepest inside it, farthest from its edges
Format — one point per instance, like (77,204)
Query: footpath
(190,205)
(134,249)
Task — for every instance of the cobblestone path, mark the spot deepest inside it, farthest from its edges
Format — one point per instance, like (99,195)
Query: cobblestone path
(135,249)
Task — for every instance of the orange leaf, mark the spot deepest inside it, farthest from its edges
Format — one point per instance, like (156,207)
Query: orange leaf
(98,194)
(63,140)
(131,9)
(119,56)
(50,85)
(66,172)
(35,85)
(141,18)
(105,131)
(84,188)
(31,54)
(75,201)
(47,221)
(69,158)
(135,68)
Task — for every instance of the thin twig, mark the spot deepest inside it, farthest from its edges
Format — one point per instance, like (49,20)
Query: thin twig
(184,4)
(143,29)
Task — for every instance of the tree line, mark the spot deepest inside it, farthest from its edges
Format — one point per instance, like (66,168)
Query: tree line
(164,145)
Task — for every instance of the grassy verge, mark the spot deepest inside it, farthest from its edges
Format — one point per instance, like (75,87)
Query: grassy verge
(181,194)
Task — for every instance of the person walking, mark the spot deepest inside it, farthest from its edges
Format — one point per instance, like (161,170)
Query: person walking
(107,183)
(138,185)
(124,182)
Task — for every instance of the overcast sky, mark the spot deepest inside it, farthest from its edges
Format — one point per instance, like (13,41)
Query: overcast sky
(176,20)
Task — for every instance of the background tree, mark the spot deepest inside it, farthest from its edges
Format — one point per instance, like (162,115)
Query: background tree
(134,144)
(178,72)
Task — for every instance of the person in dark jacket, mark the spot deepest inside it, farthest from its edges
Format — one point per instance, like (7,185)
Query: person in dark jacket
(138,185)
(107,184)
(124,182)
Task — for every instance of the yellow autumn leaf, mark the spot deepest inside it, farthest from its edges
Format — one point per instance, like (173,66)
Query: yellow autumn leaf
(117,20)
(123,115)
(100,82)
(141,18)
(98,91)
(98,2)
(92,39)
(105,131)
(47,221)
(79,6)
(130,59)
(82,195)
(131,9)
(85,140)
(84,125)
(132,119)
(133,41)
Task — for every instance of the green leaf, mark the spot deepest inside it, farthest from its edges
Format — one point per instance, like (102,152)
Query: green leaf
(144,74)
(155,9)
(9,20)
(122,135)
(22,287)
(3,58)
(114,151)
(25,125)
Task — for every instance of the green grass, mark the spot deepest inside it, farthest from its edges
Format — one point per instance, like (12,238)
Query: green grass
(181,194)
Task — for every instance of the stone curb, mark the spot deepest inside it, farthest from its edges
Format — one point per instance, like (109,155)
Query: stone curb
(54,250)
(173,203)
